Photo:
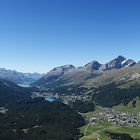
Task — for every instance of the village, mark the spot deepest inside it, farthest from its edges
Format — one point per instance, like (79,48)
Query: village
(66,98)
(117,118)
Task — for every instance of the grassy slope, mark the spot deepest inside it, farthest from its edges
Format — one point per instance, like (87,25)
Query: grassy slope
(98,110)
(121,76)
(97,132)
(128,108)
(94,133)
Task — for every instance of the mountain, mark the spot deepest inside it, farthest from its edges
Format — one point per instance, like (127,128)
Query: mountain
(118,63)
(18,77)
(55,74)
(77,76)
(59,71)
(92,66)
(10,92)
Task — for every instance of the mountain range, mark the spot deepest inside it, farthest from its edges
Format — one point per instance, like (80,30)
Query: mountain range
(19,77)
(70,75)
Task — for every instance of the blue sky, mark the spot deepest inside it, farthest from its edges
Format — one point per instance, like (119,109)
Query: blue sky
(37,35)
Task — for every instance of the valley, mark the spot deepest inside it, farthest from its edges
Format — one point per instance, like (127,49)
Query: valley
(92,102)
(69,69)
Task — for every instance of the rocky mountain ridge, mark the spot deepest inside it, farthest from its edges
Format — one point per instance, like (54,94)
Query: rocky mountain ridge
(68,74)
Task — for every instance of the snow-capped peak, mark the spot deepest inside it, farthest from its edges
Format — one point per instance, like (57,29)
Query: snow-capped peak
(124,62)
(128,63)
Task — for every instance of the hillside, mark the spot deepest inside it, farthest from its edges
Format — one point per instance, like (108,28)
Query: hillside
(124,78)
(10,92)
(39,120)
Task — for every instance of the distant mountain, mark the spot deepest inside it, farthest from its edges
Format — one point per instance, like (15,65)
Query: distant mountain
(55,74)
(59,71)
(116,63)
(69,75)
(18,77)
(92,66)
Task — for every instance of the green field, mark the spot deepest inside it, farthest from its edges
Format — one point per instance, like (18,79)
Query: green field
(97,132)
(98,110)
(128,108)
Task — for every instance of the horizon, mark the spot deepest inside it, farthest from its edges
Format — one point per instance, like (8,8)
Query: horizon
(38,35)
(66,64)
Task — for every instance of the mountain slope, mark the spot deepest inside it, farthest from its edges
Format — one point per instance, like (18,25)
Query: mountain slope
(124,78)
(10,92)
(40,120)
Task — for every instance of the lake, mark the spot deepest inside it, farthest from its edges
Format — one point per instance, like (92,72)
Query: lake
(24,85)
(51,99)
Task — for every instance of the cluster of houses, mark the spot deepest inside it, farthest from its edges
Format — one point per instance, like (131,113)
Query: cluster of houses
(66,98)
(116,118)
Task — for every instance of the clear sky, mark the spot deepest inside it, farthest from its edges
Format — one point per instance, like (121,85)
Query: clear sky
(37,35)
